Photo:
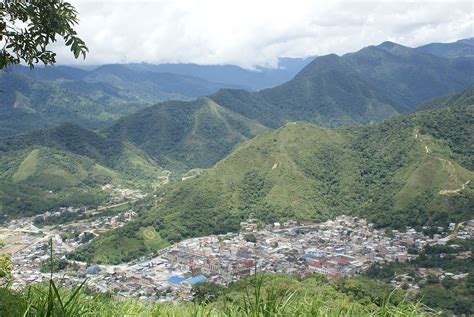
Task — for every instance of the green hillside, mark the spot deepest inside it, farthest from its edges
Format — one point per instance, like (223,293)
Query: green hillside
(367,86)
(407,171)
(461,99)
(66,166)
(184,135)
(45,97)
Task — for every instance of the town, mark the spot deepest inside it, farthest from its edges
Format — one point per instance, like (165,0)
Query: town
(344,246)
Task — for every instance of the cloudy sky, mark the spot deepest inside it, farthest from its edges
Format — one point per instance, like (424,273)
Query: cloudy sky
(257,32)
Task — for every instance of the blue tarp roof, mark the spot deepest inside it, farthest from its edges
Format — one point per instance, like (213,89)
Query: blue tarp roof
(93,269)
(175,279)
(196,279)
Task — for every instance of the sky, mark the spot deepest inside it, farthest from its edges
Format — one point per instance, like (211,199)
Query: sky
(256,32)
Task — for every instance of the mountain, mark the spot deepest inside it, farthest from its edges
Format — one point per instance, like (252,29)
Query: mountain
(462,99)
(94,98)
(461,48)
(45,97)
(367,86)
(407,171)
(259,78)
(185,135)
(66,166)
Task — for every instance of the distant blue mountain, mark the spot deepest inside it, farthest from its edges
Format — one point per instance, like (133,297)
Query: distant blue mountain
(257,79)
(461,48)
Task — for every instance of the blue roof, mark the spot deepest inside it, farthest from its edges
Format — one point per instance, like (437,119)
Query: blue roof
(196,279)
(175,279)
(93,269)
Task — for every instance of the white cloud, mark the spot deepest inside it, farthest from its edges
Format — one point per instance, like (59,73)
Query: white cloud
(256,32)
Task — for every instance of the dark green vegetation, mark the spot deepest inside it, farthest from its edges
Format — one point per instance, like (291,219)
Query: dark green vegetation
(370,85)
(259,296)
(48,96)
(28,28)
(181,135)
(455,100)
(364,87)
(408,171)
(451,296)
(66,166)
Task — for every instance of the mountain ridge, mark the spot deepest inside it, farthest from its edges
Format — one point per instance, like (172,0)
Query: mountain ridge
(407,171)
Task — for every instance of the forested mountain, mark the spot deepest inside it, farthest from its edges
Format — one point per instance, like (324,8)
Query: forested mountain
(365,87)
(48,96)
(407,171)
(370,85)
(461,48)
(462,99)
(184,135)
(66,166)
(44,97)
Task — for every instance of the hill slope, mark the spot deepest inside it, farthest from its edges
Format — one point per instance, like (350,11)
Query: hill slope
(44,97)
(407,171)
(370,85)
(66,166)
(456,100)
(185,135)
(461,48)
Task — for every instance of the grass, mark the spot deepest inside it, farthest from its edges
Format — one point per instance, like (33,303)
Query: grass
(152,239)
(260,296)
(27,167)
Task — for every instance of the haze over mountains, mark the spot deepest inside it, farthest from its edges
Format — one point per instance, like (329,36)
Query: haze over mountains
(44,97)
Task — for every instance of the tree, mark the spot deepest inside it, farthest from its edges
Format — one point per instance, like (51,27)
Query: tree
(6,267)
(250,238)
(27,28)
(206,292)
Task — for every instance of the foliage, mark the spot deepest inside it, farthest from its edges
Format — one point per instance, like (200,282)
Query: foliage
(367,86)
(449,295)
(55,266)
(260,296)
(46,97)
(464,98)
(250,238)
(181,136)
(65,166)
(304,172)
(204,293)
(27,28)
(6,266)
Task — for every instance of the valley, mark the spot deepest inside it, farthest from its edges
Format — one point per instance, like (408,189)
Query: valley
(345,246)
(335,174)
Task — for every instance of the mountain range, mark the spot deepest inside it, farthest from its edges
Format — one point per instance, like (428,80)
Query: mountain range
(66,166)
(94,98)
(245,153)
(461,48)
(408,171)
(365,87)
